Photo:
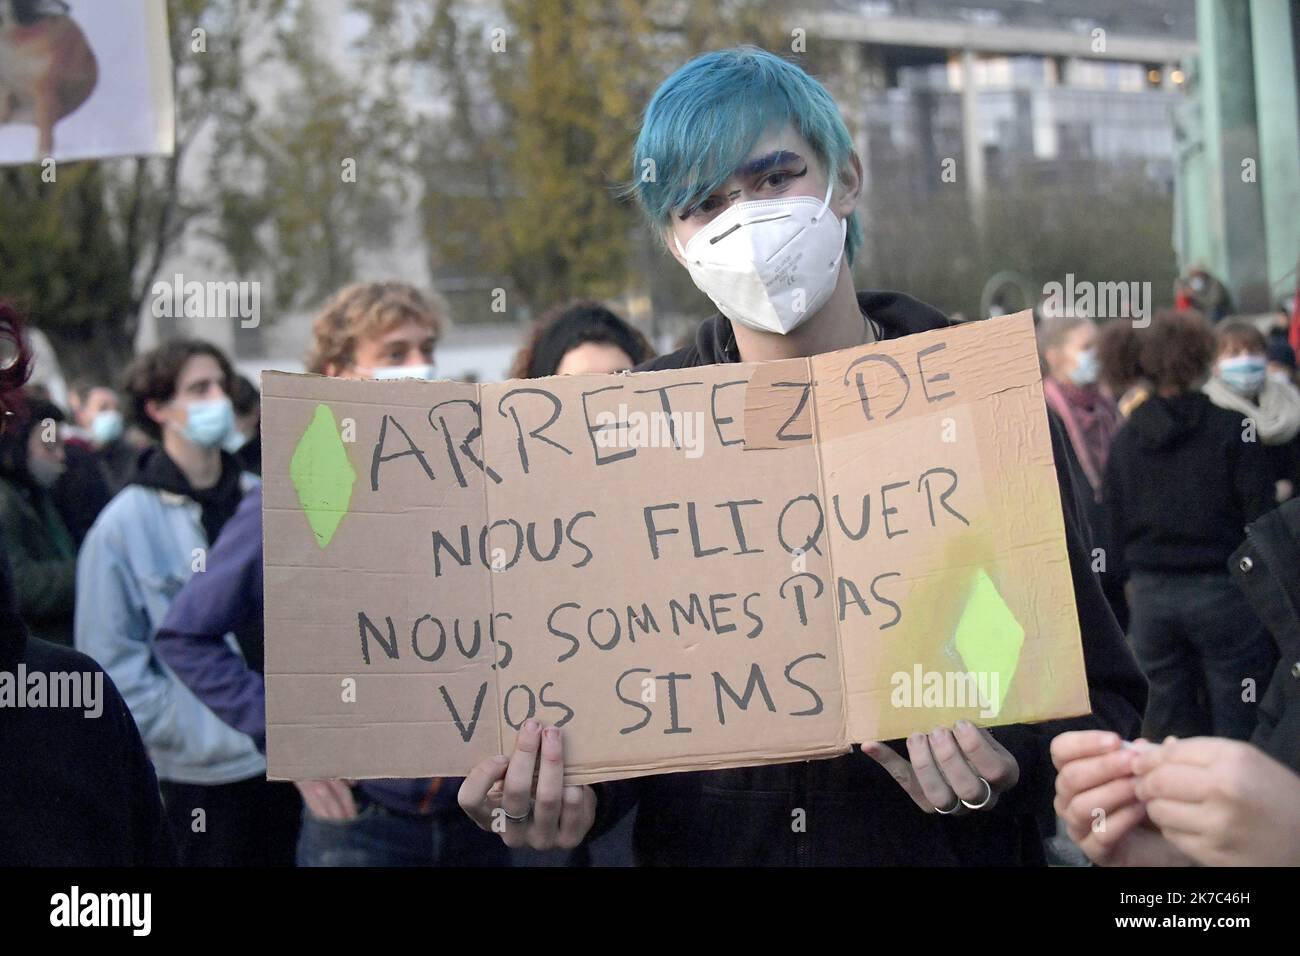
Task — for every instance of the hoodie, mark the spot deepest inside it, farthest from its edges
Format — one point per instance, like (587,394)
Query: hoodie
(855,813)
(1183,480)
(156,470)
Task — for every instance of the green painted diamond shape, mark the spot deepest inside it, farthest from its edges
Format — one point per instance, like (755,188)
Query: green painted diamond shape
(988,637)
(322,475)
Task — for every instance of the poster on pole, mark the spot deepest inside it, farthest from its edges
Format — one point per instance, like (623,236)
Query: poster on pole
(84,79)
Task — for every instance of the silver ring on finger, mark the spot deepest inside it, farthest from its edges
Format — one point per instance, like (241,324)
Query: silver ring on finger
(988,795)
(522,817)
(956,805)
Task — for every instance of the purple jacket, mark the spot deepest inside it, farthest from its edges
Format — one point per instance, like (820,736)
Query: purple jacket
(226,599)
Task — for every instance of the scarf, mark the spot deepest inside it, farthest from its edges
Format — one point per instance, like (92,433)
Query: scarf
(1276,416)
(1091,420)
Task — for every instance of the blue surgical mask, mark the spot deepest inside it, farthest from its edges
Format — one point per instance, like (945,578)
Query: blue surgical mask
(209,422)
(234,441)
(106,426)
(1244,374)
(1085,368)
(388,373)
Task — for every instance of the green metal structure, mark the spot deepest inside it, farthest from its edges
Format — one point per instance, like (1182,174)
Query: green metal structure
(1238,184)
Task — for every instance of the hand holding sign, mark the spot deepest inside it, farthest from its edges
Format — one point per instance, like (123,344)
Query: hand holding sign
(500,795)
(953,771)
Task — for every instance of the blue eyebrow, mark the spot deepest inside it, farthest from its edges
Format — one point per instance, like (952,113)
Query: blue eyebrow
(763,163)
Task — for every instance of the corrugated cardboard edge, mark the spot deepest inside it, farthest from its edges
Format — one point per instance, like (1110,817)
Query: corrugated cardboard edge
(492,585)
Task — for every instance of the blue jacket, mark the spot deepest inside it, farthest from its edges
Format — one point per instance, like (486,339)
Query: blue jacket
(135,559)
(228,597)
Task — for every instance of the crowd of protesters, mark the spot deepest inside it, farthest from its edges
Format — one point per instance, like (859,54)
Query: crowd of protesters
(170,462)
(1170,441)
(1193,430)
(1187,432)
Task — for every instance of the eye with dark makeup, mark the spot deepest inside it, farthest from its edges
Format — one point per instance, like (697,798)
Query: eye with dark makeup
(775,179)
(783,177)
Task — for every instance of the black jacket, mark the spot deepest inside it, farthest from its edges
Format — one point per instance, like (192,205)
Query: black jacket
(854,812)
(75,790)
(1181,485)
(1267,569)
(81,493)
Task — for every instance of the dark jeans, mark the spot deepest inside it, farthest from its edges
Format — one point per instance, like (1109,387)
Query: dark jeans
(1197,640)
(378,836)
(248,823)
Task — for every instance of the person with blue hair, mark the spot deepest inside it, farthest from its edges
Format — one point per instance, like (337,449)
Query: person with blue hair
(747,174)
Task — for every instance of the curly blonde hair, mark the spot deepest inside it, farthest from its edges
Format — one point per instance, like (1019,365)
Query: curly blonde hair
(364,310)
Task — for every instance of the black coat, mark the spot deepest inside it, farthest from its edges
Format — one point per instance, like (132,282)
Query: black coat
(82,492)
(74,790)
(1267,569)
(854,812)
(1181,485)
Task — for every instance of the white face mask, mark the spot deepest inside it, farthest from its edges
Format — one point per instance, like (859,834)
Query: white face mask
(770,263)
(390,372)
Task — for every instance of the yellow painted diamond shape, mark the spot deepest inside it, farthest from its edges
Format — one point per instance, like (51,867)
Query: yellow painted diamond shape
(989,638)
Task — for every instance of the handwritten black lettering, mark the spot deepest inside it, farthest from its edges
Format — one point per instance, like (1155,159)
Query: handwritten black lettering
(367,627)
(466,733)
(940,377)
(806,390)
(556,407)
(618,690)
(378,457)
(810,543)
(816,708)
(943,498)
(563,635)
(756,682)
(466,446)
(862,386)
(718,421)
(608,426)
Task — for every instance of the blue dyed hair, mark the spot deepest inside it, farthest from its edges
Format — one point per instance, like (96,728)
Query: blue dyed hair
(703,121)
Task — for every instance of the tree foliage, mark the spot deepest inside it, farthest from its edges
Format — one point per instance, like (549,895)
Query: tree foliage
(523,172)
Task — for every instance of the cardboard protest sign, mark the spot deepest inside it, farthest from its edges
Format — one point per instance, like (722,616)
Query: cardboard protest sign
(84,79)
(694,569)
